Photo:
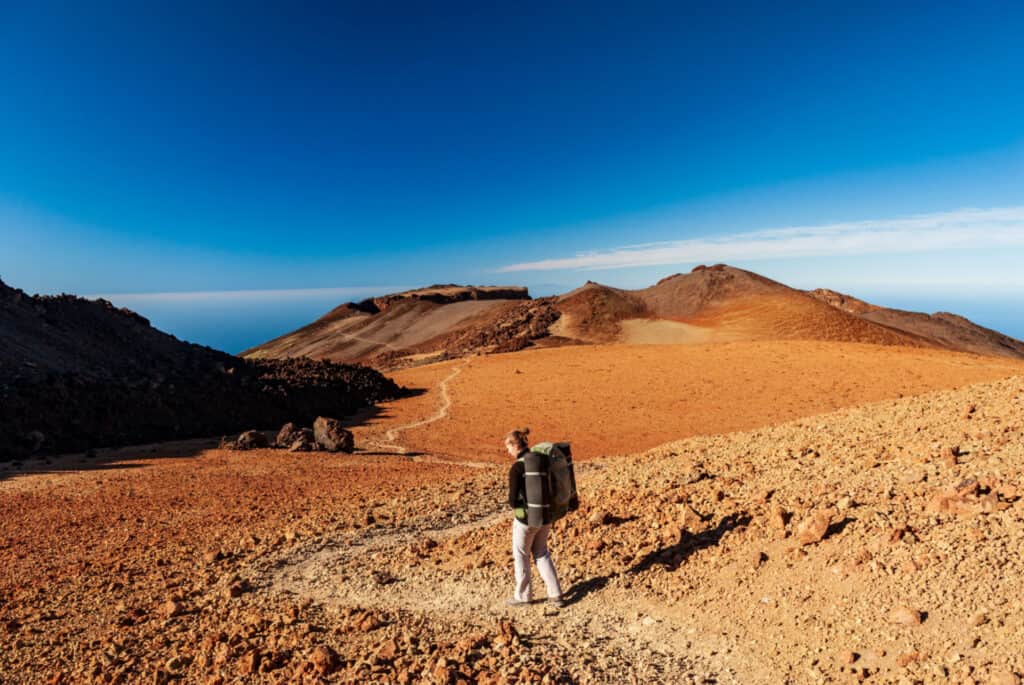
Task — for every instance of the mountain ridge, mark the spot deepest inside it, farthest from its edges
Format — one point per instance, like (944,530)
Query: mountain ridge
(717,303)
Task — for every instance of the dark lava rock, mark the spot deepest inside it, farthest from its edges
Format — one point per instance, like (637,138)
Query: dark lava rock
(251,440)
(83,374)
(331,436)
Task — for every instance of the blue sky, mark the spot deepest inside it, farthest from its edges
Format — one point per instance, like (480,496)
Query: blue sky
(150,148)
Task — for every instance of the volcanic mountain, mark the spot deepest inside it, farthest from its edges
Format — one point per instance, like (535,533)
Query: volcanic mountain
(77,374)
(947,330)
(710,304)
(428,323)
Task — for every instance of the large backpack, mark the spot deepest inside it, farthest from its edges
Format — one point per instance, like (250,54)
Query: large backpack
(550,482)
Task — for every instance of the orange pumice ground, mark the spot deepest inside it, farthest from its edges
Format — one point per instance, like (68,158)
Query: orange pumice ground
(878,541)
(616,399)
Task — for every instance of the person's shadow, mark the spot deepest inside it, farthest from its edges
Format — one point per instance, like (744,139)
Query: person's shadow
(670,556)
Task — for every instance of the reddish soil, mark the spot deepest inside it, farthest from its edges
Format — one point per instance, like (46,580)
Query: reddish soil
(185,563)
(617,399)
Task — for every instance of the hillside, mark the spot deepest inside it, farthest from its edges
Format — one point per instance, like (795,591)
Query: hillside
(77,374)
(409,323)
(715,304)
(941,328)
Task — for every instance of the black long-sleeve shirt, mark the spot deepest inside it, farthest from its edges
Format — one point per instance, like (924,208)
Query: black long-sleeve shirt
(517,482)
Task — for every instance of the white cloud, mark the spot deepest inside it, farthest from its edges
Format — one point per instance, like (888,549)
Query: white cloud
(247,295)
(960,229)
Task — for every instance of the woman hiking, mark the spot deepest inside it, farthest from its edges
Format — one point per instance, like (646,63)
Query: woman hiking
(527,540)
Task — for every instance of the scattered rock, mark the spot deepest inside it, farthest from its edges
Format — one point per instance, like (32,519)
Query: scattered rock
(907,658)
(332,436)
(600,517)
(171,608)
(814,527)
(979,619)
(905,616)
(249,663)
(777,518)
(287,435)
(303,442)
(324,660)
(251,440)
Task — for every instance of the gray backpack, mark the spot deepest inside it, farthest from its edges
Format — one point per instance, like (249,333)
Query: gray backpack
(550,482)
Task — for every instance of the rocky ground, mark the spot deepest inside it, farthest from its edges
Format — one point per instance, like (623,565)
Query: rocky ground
(878,543)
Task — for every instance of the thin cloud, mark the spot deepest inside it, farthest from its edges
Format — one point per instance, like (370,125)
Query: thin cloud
(248,295)
(960,229)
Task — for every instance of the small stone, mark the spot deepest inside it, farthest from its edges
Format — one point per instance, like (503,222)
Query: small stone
(249,663)
(905,616)
(324,660)
(904,660)
(813,528)
(848,657)
(388,650)
(979,619)
(777,518)
(600,517)
(171,608)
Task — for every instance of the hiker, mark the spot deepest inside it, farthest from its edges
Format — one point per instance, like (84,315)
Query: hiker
(531,539)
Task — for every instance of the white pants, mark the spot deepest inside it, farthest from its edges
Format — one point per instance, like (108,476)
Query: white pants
(526,541)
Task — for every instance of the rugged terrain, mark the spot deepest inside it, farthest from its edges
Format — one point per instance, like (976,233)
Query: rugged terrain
(708,305)
(845,533)
(419,325)
(948,330)
(80,374)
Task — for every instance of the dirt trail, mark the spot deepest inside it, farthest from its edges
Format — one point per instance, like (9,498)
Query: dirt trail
(633,635)
(441,413)
(390,443)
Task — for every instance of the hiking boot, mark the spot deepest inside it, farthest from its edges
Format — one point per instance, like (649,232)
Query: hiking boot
(516,602)
(556,601)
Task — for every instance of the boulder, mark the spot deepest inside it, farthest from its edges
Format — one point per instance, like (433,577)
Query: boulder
(287,435)
(331,436)
(303,441)
(251,440)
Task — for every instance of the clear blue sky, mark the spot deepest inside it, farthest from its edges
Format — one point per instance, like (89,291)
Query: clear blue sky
(165,147)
